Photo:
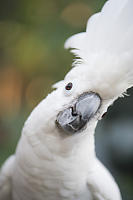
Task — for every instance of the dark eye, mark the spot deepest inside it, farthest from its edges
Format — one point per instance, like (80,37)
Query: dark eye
(69,86)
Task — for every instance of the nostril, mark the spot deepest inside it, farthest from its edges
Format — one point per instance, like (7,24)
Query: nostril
(104,114)
(74,113)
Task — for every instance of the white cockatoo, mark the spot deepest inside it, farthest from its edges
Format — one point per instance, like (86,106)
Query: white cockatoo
(55,158)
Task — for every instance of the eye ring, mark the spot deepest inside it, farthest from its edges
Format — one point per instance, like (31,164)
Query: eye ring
(69,86)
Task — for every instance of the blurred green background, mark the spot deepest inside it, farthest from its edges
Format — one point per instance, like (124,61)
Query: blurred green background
(32,58)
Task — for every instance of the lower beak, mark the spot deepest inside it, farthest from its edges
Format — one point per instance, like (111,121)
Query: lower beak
(75,118)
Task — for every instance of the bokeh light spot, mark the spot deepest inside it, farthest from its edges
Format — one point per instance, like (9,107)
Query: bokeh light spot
(10,91)
(37,90)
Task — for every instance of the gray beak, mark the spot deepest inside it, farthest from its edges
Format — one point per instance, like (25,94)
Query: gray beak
(74,118)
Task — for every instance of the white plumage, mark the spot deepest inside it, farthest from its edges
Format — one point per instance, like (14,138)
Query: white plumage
(52,164)
(106,48)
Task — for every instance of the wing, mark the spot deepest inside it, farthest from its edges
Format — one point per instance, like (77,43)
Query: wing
(5,179)
(102,185)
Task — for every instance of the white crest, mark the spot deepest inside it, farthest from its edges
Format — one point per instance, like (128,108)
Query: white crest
(107,47)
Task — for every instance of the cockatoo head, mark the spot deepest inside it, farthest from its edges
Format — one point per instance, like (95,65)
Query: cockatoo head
(86,103)
(69,108)
(70,113)
(103,72)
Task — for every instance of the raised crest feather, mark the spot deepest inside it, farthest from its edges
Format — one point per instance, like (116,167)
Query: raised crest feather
(106,47)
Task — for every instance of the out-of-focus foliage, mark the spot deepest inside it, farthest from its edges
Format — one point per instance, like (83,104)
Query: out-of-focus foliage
(32,58)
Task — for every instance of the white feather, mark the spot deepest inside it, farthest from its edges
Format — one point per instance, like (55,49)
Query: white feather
(5,179)
(106,48)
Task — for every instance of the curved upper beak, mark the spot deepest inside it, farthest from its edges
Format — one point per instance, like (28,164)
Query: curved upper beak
(74,118)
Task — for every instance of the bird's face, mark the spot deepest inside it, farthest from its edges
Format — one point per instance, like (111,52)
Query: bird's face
(82,105)
(75,105)
(85,101)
